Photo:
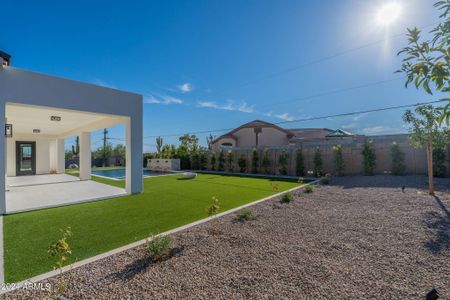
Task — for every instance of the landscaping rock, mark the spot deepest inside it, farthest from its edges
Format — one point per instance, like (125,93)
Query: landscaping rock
(357,238)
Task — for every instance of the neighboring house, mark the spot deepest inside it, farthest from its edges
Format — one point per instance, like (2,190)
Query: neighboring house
(40,111)
(263,134)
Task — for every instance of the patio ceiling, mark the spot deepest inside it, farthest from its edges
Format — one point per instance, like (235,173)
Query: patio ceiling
(26,118)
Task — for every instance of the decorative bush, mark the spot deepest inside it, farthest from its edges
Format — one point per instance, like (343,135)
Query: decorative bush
(221,166)
(318,163)
(158,247)
(287,198)
(398,160)
(255,159)
(299,163)
(230,161)
(266,161)
(439,167)
(308,189)
(282,163)
(196,161)
(213,162)
(242,163)
(369,158)
(338,160)
(245,215)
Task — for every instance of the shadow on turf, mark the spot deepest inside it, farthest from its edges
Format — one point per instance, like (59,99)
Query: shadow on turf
(439,224)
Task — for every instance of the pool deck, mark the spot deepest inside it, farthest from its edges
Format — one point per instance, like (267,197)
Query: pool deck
(25,193)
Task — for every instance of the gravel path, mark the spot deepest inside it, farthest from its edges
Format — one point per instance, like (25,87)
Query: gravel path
(360,237)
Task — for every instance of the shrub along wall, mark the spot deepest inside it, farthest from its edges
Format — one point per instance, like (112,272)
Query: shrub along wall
(414,159)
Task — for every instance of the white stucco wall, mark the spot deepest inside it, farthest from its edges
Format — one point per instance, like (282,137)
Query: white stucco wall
(48,154)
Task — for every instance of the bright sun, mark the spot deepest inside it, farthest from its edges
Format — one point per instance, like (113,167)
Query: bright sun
(388,13)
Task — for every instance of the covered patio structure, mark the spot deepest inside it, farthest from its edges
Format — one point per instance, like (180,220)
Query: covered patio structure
(40,112)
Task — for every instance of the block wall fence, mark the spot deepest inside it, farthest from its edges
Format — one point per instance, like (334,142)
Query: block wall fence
(415,159)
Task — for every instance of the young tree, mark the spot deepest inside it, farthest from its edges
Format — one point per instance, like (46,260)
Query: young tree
(230,160)
(209,140)
(213,161)
(255,159)
(426,63)
(424,129)
(242,163)
(159,144)
(221,166)
(299,163)
(318,163)
(369,158)
(266,161)
(338,160)
(282,163)
(398,160)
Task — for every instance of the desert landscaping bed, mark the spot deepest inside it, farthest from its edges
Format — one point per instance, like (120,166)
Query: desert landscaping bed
(359,237)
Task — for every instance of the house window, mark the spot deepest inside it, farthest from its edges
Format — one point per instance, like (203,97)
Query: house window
(227,145)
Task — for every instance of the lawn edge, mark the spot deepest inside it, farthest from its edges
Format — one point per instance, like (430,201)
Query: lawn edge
(13,286)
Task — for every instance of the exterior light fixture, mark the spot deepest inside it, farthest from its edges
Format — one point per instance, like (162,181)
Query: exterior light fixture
(8,130)
(55,118)
(36,131)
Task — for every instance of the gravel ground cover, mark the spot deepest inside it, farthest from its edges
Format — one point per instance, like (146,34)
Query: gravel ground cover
(357,238)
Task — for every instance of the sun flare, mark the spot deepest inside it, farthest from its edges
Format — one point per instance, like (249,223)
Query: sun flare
(389,13)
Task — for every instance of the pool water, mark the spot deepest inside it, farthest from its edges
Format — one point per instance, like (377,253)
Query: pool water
(119,173)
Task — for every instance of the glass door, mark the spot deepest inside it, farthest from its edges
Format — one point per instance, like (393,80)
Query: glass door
(25,158)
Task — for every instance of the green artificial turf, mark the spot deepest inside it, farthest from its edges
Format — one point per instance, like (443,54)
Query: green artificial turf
(167,202)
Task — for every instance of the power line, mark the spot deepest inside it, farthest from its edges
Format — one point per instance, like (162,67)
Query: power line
(322,59)
(308,119)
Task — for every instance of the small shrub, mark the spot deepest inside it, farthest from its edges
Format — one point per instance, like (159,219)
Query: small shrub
(287,198)
(301,180)
(318,163)
(369,158)
(255,160)
(338,160)
(299,163)
(212,211)
(245,215)
(61,251)
(158,247)
(308,189)
(398,160)
(439,168)
(242,163)
(282,162)
(274,186)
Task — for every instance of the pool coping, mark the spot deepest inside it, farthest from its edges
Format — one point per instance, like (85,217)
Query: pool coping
(5,288)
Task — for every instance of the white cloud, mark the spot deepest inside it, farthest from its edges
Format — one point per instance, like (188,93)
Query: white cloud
(242,107)
(285,117)
(162,99)
(349,126)
(104,84)
(186,87)
(357,117)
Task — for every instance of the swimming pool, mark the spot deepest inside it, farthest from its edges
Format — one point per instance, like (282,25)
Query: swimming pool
(119,173)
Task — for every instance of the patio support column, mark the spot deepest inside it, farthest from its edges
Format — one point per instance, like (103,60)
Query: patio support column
(85,156)
(60,156)
(133,155)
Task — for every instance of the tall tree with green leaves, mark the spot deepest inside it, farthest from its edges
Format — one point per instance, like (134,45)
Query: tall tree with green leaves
(398,160)
(426,62)
(266,161)
(424,129)
(369,158)
(255,160)
(318,163)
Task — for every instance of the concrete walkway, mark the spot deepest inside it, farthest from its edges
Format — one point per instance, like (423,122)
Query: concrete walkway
(42,194)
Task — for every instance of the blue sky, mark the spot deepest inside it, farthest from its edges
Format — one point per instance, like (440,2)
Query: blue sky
(204,65)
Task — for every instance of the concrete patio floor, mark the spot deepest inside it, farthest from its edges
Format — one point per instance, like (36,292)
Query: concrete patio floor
(27,193)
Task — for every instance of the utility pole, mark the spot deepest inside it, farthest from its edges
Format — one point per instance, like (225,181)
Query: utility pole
(105,132)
